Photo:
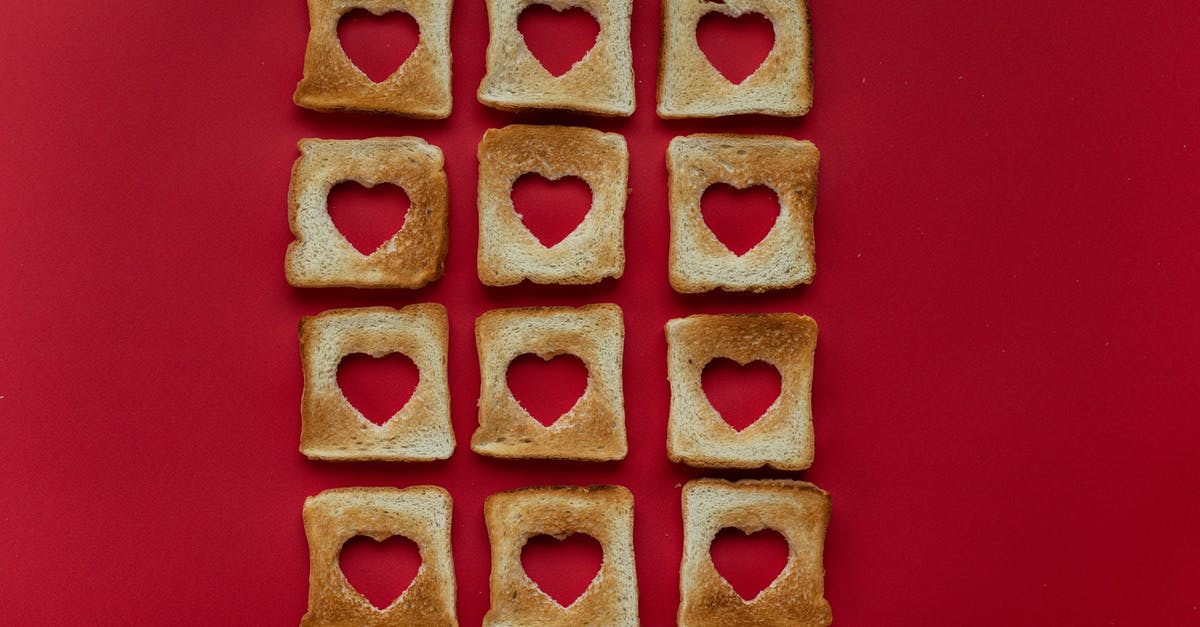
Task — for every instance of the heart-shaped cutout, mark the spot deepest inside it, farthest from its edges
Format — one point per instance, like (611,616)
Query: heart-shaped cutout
(380,570)
(562,569)
(740,218)
(735,46)
(378,387)
(378,44)
(551,210)
(558,39)
(749,562)
(741,394)
(367,216)
(547,389)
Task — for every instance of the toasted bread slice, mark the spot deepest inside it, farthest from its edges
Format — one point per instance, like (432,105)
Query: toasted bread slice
(600,83)
(690,87)
(699,262)
(604,512)
(594,428)
(322,257)
(419,88)
(331,428)
(508,252)
(783,436)
(421,514)
(797,510)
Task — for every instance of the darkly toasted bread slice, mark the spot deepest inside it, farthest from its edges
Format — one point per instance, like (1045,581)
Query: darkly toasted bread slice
(602,512)
(421,514)
(419,88)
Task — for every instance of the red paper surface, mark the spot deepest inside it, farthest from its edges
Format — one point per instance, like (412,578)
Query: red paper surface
(1004,399)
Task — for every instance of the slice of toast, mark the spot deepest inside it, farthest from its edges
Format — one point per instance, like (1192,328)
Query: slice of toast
(594,428)
(783,436)
(331,428)
(421,514)
(419,88)
(600,83)
(699,262)
(690,87)
(508,252)
(604,512)
(322,257)
(797,510)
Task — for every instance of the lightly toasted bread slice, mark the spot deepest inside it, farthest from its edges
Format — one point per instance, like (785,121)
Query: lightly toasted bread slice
(508,252)
(604,512)
(797,510)
(321,256)
(419,88)
(699,262)
(690,87)
(421,514)
(783,436)
(594,428)
(601,83)
(332,429)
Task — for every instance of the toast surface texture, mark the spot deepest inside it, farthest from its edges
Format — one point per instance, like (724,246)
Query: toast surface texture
(421,514)
(698,261)
(419,88)
(690,87)
(602,512)
(783,436)
(331,427)
(797,510)
(600,83)
(321,256)
(508,252)
(594,428)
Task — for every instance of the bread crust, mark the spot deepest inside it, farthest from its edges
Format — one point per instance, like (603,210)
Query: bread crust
(321,256)
(690,87)
(419,88)
(699,262)
(604,512)
(508,252)
(421,514)
(332,428)
(783,436)
(797,510)
(601,83)
(594,428)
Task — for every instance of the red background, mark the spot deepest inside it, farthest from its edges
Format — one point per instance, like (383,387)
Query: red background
(1005,399)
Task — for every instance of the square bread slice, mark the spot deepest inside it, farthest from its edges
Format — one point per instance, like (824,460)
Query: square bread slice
(690,87)
(421,514)
(594,428)
(419,88)
(604,512)
(321,256)
(797,510)
(508,252)
(699,262)
(331,428)
(783,436)
(600,83)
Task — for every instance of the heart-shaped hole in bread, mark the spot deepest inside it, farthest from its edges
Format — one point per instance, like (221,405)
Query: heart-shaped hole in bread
(739,218)
(380,570)
(378,387)
(749,562)
(378,44)
(735,46)
(563,569)
(551,210)
(741,393)
(367,216)
(547,389)
(558,39)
